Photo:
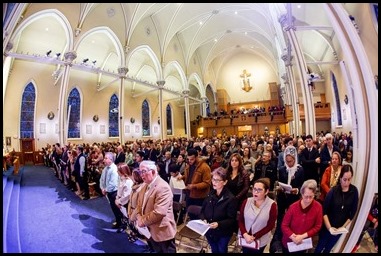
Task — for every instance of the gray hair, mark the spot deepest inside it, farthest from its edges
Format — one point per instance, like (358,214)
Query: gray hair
(310,184)
(110,155)
(151,165)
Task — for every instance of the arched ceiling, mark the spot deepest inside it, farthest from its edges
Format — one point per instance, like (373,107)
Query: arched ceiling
(206,33)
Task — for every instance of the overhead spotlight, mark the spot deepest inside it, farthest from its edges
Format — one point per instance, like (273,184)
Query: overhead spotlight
(85,60)
(58,55)
(94,62)
(48,53)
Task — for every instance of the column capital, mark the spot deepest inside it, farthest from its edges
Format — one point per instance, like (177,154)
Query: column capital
(9,47)
(160,83)
(77,31)
(70,56)
(287,59)
(186,92)
(122,71)
(287,24)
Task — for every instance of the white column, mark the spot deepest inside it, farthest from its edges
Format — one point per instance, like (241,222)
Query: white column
(291,91)
(187,117)
(62,99)
(161,83)
(287,22)
(122,71)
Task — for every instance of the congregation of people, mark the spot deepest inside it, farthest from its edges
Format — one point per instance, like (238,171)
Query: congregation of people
(270,190)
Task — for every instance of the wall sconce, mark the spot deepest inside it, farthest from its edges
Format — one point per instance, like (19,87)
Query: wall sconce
(158,120)
(95,118)
(132,120)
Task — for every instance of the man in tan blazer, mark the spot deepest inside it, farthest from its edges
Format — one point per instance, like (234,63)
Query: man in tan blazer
(154,209)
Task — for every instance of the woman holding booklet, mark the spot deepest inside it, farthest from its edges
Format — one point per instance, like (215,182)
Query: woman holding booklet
(339,208)
(219,210)
(302,220)
(257,218)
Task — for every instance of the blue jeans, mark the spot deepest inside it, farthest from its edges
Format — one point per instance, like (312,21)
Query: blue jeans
(326,241)
(220,244)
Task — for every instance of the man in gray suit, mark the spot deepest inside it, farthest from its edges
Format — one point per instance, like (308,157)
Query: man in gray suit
(154,209)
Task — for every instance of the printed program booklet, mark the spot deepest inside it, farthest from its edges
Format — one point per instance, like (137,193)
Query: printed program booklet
(198,226)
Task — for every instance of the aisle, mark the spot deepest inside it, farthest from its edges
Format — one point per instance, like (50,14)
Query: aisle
(54,219)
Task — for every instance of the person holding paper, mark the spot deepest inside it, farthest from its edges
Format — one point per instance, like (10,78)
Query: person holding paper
(339,208)
(154,211)
(257,218)
(220,211)
(291,174)
(302,220)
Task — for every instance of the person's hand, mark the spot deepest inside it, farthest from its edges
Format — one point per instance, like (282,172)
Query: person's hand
(179,177)
(248,238)
(189,186)
(104,192)
(297,239)
(375,223)
(213,225)
(139,221)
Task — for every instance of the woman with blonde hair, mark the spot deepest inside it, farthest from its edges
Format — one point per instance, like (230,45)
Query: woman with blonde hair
(330,175)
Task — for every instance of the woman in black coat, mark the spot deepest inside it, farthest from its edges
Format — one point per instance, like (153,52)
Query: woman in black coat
(219,210)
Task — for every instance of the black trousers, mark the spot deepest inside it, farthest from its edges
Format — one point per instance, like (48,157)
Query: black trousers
(117,213)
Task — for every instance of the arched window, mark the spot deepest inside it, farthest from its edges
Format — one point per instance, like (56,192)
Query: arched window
(113,117)
(146,118)
(27,112)
(169,120)
(337,100)
(74,114)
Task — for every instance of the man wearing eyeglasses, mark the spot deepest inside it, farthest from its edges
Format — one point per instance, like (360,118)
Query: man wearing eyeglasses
(154,210)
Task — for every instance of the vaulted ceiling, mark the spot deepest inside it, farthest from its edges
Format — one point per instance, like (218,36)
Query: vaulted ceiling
(206,34)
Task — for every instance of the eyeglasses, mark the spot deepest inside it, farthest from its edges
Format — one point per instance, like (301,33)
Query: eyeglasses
(143,171)
(216,180)
(308,197)
(258,190)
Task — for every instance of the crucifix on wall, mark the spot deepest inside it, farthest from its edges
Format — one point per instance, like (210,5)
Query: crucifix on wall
(246,81)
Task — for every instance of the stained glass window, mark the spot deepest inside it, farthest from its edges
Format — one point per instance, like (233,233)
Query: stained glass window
(74,114)
(169,120)
(27,112)
(146,118)
(113,117)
